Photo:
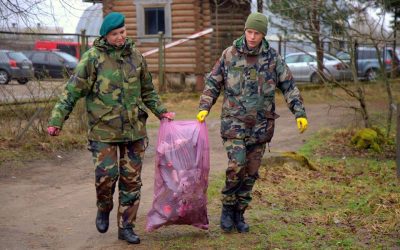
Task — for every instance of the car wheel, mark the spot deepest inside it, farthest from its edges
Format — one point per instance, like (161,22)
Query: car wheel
(22,80)
(4,77)
(315,78)
(371,75)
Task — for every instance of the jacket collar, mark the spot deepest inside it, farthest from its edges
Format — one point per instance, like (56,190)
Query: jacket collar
(101,44)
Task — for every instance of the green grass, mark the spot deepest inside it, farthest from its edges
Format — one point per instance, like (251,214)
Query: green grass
(351,203)
(312,143)
(347,204)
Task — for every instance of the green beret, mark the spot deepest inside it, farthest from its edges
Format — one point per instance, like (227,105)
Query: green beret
(257,21)
(112,21)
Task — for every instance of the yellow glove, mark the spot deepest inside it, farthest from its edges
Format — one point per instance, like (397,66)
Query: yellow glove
(201,116)
(302,124)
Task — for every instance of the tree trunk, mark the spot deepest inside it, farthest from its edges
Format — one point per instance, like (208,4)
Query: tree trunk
(390,104)
(315,24)
(363,106)
(394,75)
(394,62)
(260,6)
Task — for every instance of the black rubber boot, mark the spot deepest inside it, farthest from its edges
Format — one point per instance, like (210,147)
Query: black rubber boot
(240,224)
(128,235)
(227,216)
(102,221)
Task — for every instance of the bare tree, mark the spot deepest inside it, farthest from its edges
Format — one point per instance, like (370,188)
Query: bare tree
(28,15)
(339,22)
(19,13)
(364,28)
(302,20)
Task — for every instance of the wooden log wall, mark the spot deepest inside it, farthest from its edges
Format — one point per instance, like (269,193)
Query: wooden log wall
(188,17)
(228,21)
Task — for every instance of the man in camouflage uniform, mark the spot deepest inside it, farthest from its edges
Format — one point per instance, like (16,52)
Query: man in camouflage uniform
(249,71)
(113,78)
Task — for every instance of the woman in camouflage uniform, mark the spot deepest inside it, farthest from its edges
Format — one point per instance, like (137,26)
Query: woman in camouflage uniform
(249,72)
(113,78)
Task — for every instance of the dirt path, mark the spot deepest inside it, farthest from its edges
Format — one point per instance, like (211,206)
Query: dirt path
(51,204)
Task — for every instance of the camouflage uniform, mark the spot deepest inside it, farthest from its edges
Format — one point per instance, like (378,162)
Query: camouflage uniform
(127,169)
(117,88)
(249,79)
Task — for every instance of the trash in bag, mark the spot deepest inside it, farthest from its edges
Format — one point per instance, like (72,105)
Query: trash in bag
(181,175)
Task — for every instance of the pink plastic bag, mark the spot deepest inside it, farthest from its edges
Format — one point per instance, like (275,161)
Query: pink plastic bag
(181,175)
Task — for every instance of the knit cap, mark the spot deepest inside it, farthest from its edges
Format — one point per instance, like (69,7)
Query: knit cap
(112,21)
(257,21)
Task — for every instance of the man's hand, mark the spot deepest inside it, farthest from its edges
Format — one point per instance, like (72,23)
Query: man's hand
(168,115)
(302,124)
(53,131)
(201,116)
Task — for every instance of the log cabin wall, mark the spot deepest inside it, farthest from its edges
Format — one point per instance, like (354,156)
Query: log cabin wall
(228,22)
(195,57)
(181,58)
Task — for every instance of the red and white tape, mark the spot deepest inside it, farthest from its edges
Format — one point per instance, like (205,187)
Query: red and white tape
(180,41)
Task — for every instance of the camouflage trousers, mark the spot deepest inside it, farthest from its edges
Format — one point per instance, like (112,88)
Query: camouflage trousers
(242,171)
(123,162)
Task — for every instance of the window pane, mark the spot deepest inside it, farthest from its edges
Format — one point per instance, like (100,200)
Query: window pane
(39,57)
(291,59)
(17,56)
(307,58)
(388,54)
(329,58)
(154,20)
(70,49)
(67,57)
(54,59)
(160,20)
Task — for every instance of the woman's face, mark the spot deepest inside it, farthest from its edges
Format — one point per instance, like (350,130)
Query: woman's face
(117,37)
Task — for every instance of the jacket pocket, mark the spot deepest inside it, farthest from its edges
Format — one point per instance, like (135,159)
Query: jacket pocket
(142,114)
(232,128)
(96,115)
(264,130)
(234,80)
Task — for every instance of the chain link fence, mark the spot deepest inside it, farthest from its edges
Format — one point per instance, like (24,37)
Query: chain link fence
(69,43)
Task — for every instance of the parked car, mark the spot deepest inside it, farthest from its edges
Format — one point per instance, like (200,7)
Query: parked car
(54,64)
(368,62)
(304,67)
(15,65)
(72,48)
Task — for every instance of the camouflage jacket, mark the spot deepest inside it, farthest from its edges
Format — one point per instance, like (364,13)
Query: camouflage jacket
(249,80)
(117,88)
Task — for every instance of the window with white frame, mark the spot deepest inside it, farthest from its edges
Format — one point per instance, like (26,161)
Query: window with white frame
(153,16)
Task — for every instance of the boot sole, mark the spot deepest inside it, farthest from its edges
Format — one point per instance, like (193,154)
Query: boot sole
(226,230)
(101,231)
(120,237)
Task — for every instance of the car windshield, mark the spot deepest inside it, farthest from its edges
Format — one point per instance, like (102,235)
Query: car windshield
(67,57)
(18,56)
(291,59)
(343,56)
(371,53)
(307,58)
(329,57)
